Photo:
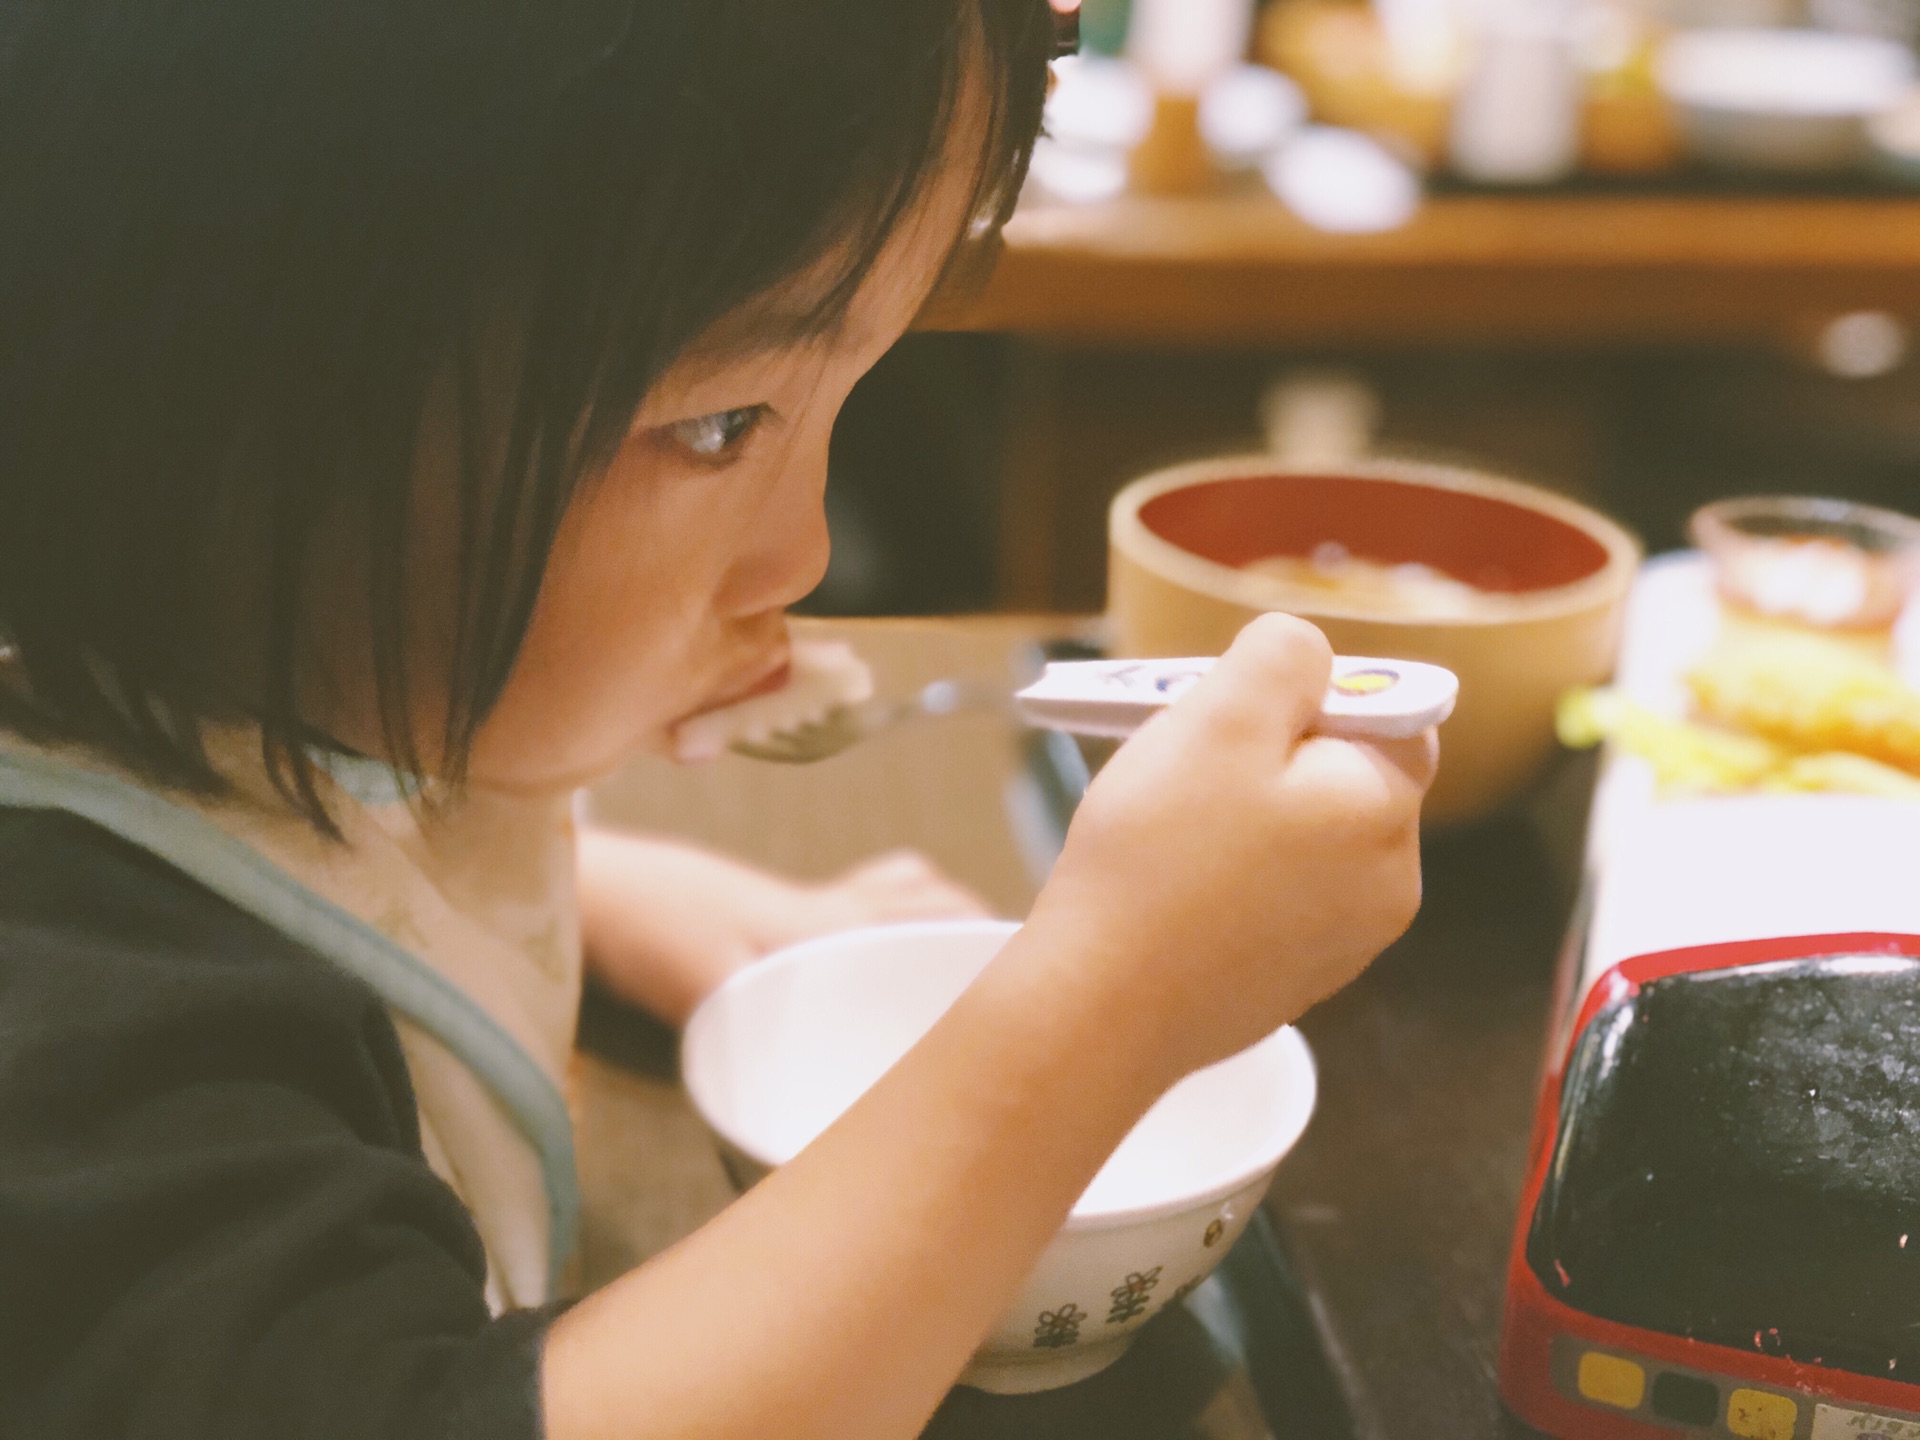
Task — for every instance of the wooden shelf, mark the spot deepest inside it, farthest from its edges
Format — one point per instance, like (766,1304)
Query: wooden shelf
(1581,270)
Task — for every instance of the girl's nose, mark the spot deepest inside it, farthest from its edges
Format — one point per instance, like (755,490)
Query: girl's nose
(790,558)
(803,564)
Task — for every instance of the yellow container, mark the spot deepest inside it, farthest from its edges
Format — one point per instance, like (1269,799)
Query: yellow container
(1554,576)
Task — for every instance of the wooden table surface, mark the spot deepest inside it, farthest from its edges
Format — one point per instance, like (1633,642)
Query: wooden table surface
(1572,270)
(1396,1209)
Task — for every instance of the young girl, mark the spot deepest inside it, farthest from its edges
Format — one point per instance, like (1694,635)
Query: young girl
(408,410)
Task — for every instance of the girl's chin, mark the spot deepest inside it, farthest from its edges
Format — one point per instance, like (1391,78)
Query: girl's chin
(546,773)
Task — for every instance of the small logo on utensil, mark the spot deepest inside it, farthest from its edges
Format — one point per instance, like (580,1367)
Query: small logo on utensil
(1366,682)
(1154,679)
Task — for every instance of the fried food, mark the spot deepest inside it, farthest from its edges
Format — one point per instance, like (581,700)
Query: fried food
(1693,759)
(1811,694)
(1846,774)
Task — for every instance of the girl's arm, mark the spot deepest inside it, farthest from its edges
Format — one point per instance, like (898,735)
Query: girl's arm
(664,921)
(1223,874)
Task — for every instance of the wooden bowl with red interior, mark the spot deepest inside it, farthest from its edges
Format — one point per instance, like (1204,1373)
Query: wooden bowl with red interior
(1517,590)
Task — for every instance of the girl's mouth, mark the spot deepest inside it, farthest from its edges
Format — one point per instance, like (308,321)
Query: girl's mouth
(769,681)
(775,679)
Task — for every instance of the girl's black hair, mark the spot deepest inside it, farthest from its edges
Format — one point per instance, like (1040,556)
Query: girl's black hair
(247,245)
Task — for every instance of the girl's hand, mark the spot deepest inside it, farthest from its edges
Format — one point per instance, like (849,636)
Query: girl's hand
(899,885)
(665,922)
(1227,869)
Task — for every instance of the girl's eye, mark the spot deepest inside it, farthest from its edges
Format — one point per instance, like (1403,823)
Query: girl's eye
(717,436)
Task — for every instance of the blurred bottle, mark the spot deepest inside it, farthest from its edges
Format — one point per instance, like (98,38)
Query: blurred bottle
(1516,119)
(1628,128)
(1388,68)
(1182,46)
(1103,26)
(1320,416)
(1422,41)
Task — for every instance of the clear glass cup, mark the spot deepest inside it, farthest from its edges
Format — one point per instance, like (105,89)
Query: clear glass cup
(1828,564)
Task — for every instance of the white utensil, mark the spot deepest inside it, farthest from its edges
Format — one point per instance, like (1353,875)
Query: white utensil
(1366,700)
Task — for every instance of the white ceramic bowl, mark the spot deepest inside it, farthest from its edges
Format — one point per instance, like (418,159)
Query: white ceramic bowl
(777,1053)
(1781,100)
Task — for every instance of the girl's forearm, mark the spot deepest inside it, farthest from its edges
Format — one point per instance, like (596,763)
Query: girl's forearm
(841,1296)
(664,921)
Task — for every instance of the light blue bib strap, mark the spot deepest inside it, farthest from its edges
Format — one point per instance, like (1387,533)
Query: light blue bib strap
(201,850)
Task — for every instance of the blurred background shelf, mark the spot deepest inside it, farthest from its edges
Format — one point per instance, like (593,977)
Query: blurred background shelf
(1642,348)
(1656,318)
(1468,270)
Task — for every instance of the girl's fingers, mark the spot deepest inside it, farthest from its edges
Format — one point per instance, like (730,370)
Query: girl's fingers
(1270,684)
(1418,759)
(1385,779)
